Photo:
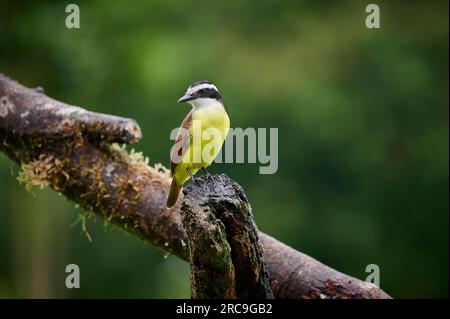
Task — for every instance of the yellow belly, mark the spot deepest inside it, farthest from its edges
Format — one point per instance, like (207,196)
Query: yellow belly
(208,130)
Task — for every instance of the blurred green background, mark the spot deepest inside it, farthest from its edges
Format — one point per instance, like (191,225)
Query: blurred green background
(363,132)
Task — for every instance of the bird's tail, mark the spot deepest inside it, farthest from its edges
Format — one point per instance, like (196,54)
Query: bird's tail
(173,193)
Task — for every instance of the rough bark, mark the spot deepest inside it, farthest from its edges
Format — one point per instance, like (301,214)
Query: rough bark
(69,149)
(223,236)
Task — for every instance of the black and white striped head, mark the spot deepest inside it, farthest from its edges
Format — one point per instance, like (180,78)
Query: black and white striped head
(201,90)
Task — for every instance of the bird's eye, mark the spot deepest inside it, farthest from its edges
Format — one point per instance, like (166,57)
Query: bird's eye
(201,91)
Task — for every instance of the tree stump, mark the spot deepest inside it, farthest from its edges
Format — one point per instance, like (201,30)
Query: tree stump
(226,255)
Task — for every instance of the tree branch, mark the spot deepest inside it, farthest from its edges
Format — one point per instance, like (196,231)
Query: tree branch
(69,150)
(226,255)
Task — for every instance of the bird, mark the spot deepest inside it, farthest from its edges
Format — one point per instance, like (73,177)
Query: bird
(207,123)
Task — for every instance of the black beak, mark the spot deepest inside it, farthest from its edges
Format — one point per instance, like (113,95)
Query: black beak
(186,98)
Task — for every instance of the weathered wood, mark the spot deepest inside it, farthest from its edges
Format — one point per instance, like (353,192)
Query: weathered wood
(223,241)
(69,150)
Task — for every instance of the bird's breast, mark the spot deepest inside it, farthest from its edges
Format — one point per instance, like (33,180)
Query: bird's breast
(212,117)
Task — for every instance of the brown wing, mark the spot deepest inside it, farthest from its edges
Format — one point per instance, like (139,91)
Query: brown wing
(182,141)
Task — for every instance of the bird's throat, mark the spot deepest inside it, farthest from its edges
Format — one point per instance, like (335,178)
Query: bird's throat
(205,103)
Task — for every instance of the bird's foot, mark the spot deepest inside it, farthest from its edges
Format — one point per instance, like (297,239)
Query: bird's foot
(190,174)
(206,172)
(209,177)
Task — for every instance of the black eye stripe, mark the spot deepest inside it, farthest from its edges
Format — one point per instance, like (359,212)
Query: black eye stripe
(209,93)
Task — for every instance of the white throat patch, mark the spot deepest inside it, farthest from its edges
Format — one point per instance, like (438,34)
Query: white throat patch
(202,103)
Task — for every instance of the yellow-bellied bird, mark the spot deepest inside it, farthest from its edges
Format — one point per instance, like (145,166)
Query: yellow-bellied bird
(200,137)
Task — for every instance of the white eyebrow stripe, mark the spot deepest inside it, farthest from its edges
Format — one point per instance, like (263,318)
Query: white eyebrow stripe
(201,87)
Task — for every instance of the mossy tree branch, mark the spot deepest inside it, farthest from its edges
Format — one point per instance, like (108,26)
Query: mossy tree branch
(69,149)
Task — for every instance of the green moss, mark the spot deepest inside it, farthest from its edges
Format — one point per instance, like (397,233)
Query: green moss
(39,172)
(82,219)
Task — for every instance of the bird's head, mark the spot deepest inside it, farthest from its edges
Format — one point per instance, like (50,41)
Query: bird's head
(201,93)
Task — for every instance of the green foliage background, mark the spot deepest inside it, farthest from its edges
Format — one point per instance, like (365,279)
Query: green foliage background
(362,117)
